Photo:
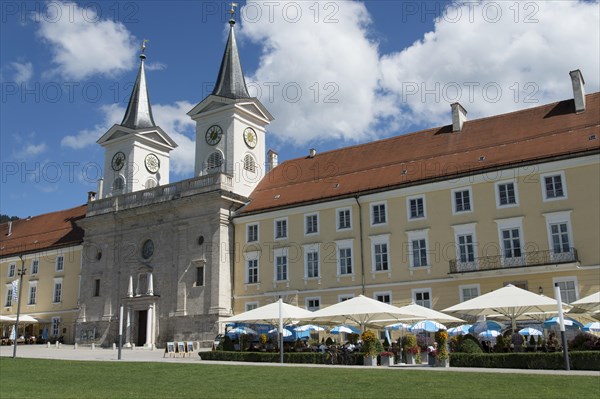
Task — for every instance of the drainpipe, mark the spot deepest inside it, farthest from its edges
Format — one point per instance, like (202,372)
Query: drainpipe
(362,260)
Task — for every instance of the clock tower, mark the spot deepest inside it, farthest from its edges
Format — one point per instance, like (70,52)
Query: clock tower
(136,151)
(230,126)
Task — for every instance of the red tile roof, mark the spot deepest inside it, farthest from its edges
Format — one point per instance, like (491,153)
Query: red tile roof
(525,136)
(42,232)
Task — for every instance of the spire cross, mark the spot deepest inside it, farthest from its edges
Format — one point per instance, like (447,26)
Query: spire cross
(232,13)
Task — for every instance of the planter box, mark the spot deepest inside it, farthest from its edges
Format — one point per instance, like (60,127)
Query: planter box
(387,361)
(410,358)
(370,361)
(443,363)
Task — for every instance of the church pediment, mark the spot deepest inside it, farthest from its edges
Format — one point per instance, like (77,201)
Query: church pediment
(214,103)
(153,135)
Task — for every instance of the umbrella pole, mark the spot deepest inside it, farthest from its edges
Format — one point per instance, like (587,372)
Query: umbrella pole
(562,326)
(21,274)
(280,332)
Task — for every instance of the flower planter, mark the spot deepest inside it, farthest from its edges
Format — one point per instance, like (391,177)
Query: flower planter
(443,363)
(387,361)
(410,358)
(370,361)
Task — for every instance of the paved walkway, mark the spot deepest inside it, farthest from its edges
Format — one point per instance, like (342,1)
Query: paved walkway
(68,352)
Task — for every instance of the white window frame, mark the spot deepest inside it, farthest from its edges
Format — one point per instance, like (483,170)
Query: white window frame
(279,220)
(381,293)
(55,327)
(248,232)
(32,284)
(345,297)
(12,270)
(306,216)
(462,230)
(372,213)
(8,296)
(35,266)
(418,235)
(567,279)
(515,184)
(461,294)
(415,291)
(337,218)
(251,256)
(344,244)
(511,223)
(312,248)
(312,298)
(250,305)
(56,282)
(563,180)
(60,260)
(277,253)
(556,218)
(378,240)
(409,216)
(471,200)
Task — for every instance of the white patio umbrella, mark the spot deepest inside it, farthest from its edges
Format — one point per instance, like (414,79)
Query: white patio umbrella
(530,331)
(460,330)
(308,327)
(286,332)
(589,304)
(397,326)
(424,314)
(360,311)
(592,327)
(427,326)
(242,330)
(509,301)
(489,334)
(6,319)
(269,314)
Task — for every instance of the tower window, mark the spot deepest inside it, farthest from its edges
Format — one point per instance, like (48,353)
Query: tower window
(249,163)
(215,160)
(150,183)
(119,184)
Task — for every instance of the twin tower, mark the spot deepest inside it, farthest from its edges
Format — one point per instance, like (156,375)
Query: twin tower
(230,135)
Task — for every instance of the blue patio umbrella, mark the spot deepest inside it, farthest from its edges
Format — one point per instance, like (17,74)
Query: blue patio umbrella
(569,323)
(592,327)
(426,326)
(485,325)
(460,330)
(241,330)
(530,331)
(489,334)
(344,329)
(308,327)
(397,326)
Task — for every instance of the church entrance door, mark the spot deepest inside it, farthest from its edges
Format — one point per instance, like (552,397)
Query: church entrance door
(142,319)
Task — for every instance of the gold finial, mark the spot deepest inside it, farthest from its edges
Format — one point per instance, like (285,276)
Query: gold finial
(232,13)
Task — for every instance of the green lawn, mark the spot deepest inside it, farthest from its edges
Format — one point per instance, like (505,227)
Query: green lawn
(32,378)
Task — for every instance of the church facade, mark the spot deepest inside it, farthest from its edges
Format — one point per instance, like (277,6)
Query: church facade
(164,249)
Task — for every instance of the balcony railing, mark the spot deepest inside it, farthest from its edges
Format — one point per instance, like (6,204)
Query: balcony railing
(533,258)
(161,193)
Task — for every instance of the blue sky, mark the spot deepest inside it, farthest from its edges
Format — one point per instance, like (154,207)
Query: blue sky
(331,73)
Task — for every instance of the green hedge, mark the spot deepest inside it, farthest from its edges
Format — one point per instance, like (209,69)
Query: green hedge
(581,360)
(273,357)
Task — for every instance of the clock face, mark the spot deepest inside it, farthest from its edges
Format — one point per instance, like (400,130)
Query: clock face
(147,249)
(118,161)
(213,134)
(152,163)
(250,137)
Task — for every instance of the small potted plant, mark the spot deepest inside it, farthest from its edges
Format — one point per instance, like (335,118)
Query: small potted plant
(371,347)
(387,358)
(410,348)
(442,355)
(262,338)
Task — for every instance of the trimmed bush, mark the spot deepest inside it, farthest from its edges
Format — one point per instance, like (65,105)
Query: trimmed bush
(355,358)
(589,360)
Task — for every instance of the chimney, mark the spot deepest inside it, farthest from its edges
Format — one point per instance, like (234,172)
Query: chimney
(91,196)
(100,187)
(459,117)
(312,152)
(271,160)
(578,90)
(9,228)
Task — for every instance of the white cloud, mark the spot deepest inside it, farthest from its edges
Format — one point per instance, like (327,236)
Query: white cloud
(527,56)
(83,44)
(155,66)
(523,58)
(172,118)
(30,151)
(332,62)
(23,71)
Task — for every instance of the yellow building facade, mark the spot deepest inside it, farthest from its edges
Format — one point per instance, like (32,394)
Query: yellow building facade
(519,211)
(49,248)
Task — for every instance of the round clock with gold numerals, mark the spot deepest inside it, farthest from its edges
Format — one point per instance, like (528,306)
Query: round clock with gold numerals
(250,137)
(214,134)
(118,161)
(152,163)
